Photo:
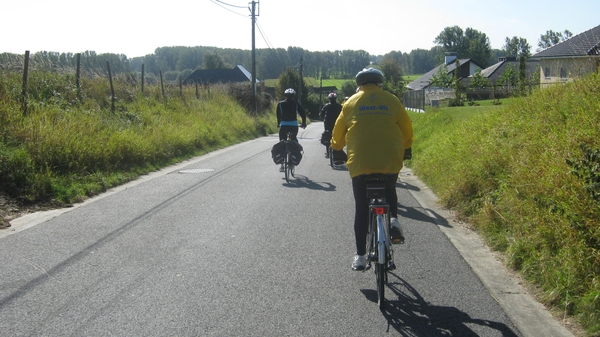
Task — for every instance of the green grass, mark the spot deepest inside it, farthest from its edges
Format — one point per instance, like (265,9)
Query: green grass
(526,175)
(63,150)
(315,82)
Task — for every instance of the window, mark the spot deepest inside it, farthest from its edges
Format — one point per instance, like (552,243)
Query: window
(563,73)
(547,72)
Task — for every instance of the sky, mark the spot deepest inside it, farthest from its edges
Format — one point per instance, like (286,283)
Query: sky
(136,28)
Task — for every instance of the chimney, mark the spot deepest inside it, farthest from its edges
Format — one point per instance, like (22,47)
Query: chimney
(450,57)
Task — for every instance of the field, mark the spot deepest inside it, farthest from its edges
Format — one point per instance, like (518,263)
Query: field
(315,82)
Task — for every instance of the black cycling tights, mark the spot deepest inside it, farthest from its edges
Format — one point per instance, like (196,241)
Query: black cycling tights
(361,215)
(284,129)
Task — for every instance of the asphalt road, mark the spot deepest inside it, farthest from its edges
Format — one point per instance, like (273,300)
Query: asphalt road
(221,245)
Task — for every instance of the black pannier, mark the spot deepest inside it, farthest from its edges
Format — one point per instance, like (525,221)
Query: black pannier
(326,137)
(296,151)
(278,152)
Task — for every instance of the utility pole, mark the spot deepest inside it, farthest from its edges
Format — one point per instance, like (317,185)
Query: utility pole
(301,84)
(254,15)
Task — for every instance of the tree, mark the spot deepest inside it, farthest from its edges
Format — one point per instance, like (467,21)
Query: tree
(393,76)
(509,79)
(349,88)
(212,60)
(442,78)
(451,39)
(478,46)
(458,99)
(522,74)
(516,47)
(471,44)
(478,81)
(551,38)
(291,79)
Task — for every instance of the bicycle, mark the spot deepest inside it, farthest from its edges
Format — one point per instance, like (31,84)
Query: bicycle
(379,248)
(326,140)
(330,155)
(289,168)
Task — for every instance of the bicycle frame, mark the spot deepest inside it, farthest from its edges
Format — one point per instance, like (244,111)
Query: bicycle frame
(378,230)
(288,166)
(379,248)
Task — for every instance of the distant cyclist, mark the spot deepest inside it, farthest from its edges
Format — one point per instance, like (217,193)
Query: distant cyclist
(330,113)
(287,120)
(378,134)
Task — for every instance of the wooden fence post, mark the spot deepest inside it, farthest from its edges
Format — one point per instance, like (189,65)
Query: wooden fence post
(78,77)
(162,87)
(180,86)
(143,77)
(25,76)
(112,89)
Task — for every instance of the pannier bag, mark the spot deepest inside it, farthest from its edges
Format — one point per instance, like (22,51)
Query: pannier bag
(278,152)
(296,152)
(326,137)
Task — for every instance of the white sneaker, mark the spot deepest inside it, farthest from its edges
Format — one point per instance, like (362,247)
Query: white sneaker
(396,231)
(360,262)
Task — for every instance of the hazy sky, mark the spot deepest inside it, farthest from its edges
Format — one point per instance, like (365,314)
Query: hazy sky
(137,28)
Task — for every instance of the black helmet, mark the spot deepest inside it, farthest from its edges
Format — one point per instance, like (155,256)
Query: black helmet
(332,96)
(289,93)
(370,75)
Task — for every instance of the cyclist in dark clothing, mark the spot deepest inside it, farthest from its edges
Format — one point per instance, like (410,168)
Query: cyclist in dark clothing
(287,119)
(330,112)
(287,111)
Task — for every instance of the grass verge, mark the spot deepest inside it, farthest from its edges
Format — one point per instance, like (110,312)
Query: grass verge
(526,175)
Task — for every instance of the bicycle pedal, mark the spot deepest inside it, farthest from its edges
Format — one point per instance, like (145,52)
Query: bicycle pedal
(392,266)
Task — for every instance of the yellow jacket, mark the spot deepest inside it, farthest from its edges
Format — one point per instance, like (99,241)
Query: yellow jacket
(376,129)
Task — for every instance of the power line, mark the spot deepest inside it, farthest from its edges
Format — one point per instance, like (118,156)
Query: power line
(226,4)
(263,36)
(218,3)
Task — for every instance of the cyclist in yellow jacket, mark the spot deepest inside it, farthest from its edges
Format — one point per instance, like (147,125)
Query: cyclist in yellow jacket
(377,132)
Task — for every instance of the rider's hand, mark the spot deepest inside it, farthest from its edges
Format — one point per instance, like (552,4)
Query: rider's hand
(339,157)
(303,126)
(408,153)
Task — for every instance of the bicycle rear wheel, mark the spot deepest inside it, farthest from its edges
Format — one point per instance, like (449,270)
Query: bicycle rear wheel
(288,166)
(380,276)
(381,265)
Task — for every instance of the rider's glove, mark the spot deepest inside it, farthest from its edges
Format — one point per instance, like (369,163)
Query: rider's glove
(408,153)
(339,157)
(303,125)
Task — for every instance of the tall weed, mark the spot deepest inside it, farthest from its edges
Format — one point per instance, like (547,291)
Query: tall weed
(526,177)
(67,147)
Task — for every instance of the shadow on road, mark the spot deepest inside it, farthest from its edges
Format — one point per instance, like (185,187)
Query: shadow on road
(411,315)
(300,181)
(401,184)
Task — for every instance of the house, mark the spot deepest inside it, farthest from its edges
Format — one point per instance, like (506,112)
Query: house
(205,76)
(574,57)
(495,73)
(467,68)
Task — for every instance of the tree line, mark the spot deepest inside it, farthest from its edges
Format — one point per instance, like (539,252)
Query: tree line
(179,61)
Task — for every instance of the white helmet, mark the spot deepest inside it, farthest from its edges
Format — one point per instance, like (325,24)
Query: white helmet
(289,92)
